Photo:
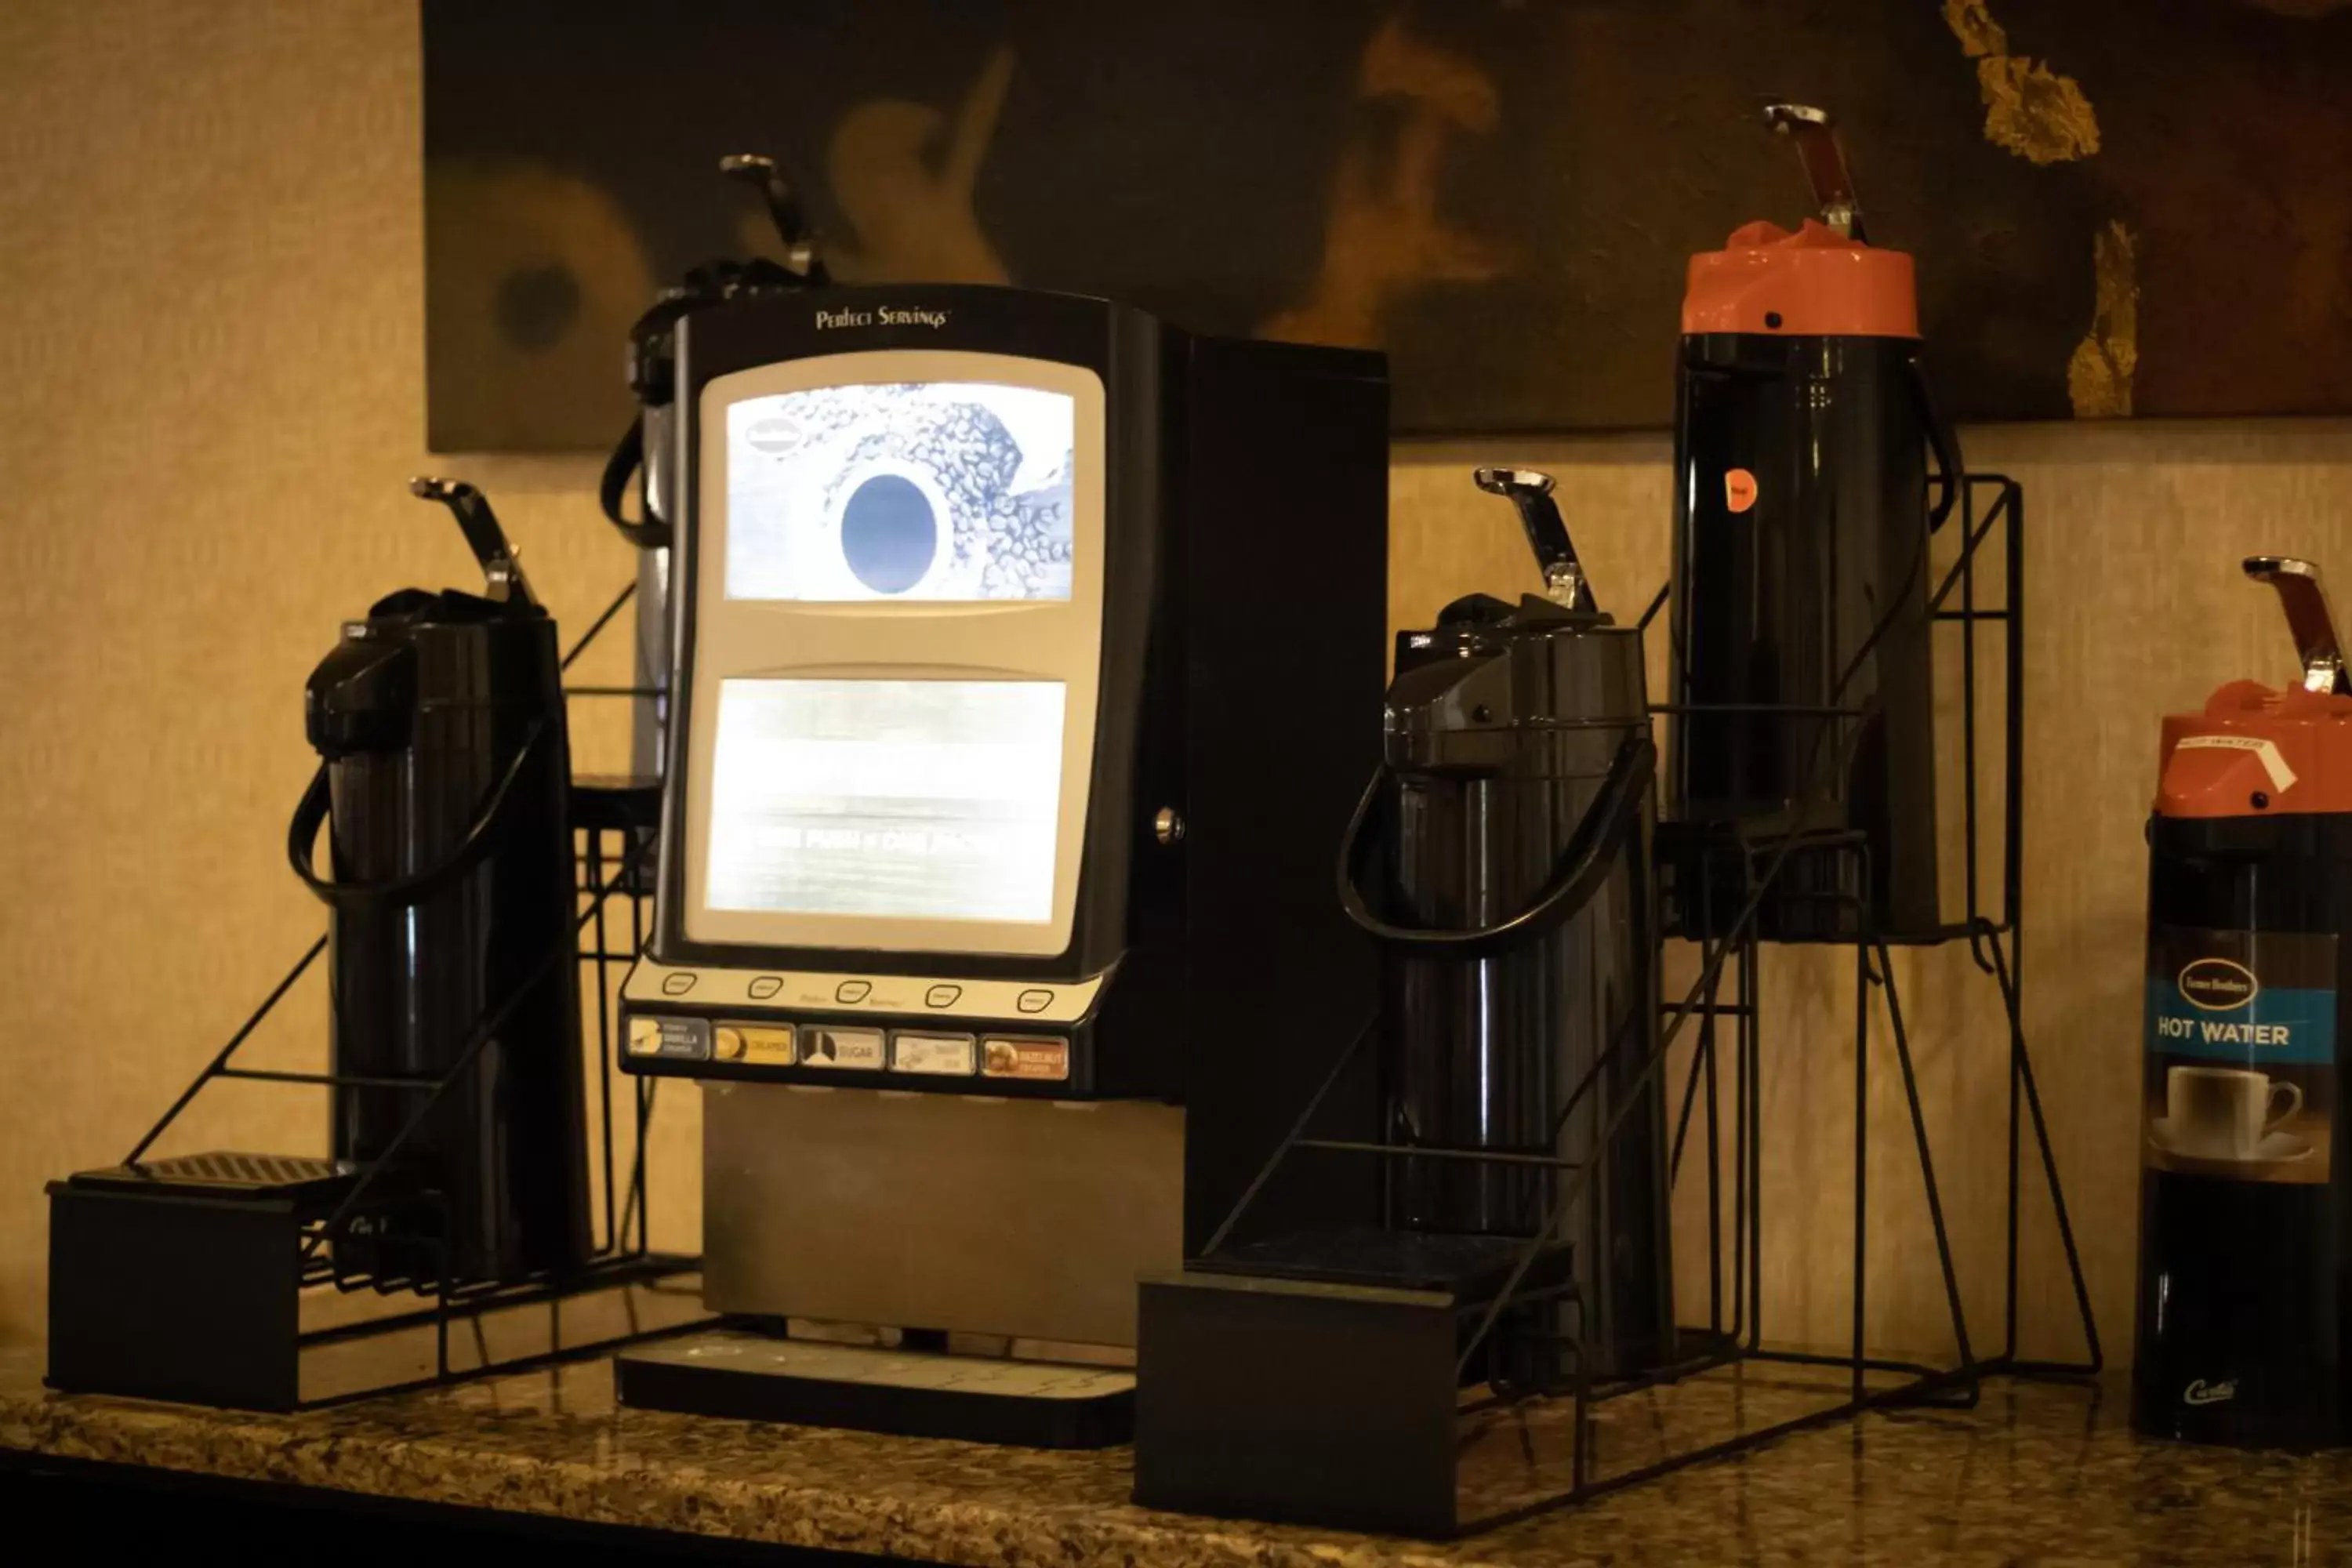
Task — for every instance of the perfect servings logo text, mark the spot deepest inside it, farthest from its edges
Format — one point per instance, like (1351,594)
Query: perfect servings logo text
(882,316)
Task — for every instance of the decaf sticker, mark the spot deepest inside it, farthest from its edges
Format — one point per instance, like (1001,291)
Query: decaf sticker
(2241,1075)
(1739,490)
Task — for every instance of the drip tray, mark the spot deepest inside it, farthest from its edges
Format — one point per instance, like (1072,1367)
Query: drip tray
(906,1393)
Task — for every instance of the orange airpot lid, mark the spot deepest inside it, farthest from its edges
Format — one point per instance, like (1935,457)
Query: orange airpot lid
(1814,282)
(2291,748)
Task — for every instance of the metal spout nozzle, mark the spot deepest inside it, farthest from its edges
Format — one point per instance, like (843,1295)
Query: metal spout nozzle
(2307,617)
(784,210)
(502,575)
(1815,134)
(1530,492)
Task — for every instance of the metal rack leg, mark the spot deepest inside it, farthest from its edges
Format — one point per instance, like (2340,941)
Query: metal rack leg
(1714,1186)
(2009,1278)
(604,1052)
(1967,1367)
(1714,1138)
(1860,1157)
(1747,1157)
(2021,1079)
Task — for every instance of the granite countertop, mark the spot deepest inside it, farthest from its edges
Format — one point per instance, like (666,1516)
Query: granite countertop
(2037,1473)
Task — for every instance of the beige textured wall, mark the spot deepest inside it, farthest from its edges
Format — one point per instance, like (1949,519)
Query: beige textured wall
(210,392)
(211,396)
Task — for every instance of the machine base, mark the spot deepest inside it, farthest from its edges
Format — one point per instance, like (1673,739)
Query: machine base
(1298,1401)
(185,1279)
(1315,1380)
(182,1279)
(907,1393)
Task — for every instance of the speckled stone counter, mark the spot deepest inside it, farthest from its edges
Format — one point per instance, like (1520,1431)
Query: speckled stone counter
(2035,1475)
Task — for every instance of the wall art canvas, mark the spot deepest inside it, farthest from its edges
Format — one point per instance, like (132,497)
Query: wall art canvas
(2118,208)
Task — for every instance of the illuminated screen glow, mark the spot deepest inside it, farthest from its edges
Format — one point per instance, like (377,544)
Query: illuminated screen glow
(911,799)
(901,490)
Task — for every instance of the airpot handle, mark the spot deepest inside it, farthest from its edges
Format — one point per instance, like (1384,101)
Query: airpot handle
(2307,617)
(1815,135)
(1530,492)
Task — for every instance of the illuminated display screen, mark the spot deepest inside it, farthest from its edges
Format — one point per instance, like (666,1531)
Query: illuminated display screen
(953,491)
(911,799)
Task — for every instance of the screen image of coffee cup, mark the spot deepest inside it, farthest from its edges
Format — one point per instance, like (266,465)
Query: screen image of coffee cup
(2223,1112)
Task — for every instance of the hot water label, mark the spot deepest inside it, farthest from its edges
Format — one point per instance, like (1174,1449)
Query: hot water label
(2241,1060)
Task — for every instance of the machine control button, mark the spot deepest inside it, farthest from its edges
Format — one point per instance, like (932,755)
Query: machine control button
(766,986)
(1012,1055)
(677,984)
(943,995)
(853,990)
(951,1054)
(1034,1001)
(727,1043)
(858,1048)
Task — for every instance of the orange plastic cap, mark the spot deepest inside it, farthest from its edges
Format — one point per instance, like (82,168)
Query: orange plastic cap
(2255,751)
(1814,282)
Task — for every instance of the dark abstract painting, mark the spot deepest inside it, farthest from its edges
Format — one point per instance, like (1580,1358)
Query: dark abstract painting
(2117,207)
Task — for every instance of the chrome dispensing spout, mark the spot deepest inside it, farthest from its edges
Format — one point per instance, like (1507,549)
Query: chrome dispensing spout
(1530,492)
(2307,617)
(1815,135)
(784,210)
(502,575)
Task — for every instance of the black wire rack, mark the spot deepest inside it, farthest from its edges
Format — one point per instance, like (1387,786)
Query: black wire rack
(1832,866)
(342,1244)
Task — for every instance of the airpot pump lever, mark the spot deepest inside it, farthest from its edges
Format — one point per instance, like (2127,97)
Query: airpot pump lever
(2307,617)
(1530,492)
(502,569)
(1815,135)
(784,210)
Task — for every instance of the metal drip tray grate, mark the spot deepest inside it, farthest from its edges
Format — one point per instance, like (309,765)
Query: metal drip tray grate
(1472,1267)
(300,1178)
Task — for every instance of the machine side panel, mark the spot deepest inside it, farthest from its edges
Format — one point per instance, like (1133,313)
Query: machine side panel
(1285,524)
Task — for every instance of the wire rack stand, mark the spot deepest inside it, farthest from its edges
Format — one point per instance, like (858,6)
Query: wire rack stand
(1830,866)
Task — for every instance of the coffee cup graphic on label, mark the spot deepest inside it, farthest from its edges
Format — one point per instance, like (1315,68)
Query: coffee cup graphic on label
(2225,1113)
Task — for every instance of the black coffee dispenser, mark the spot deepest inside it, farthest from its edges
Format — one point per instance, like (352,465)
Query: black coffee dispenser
(648,450)
(445,766)
(2245,1217)
(1519,933)
(1802,424)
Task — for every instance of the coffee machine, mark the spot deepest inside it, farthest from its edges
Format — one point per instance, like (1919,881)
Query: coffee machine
(1020,648)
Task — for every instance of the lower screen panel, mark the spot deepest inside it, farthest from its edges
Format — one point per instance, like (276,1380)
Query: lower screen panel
(907,799)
